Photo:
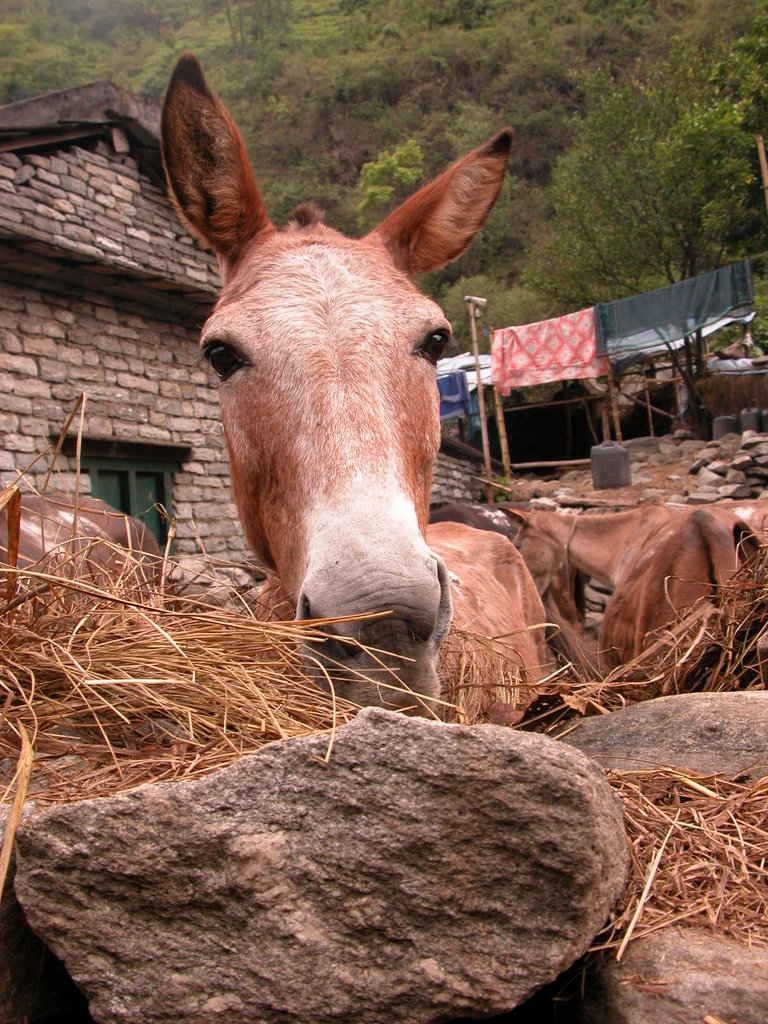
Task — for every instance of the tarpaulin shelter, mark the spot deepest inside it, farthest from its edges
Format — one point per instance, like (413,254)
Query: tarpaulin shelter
(641,323)
(454,395)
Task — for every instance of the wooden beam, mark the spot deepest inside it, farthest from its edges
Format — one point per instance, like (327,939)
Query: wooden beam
(34,141)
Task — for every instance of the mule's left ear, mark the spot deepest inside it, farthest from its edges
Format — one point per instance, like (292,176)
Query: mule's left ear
(439,221)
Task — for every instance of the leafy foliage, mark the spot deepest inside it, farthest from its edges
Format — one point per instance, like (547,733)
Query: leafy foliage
(388,179)
(633,161)
(655,188)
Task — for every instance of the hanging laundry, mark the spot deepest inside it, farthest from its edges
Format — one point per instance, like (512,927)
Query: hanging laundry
(454,395)
(564,348)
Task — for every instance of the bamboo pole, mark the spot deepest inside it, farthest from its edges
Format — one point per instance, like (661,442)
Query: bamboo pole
(475,303)
(502,428)
(606,420)
(763,165)
(614,405)
(648,404)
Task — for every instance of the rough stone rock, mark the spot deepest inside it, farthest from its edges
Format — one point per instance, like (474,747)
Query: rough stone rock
(742,462)
(738,492)
(752,441)
(680,975)
(403,870)
(701,732)
(636,444)
(33,983)
(691,445)
(200,579)
(708,478)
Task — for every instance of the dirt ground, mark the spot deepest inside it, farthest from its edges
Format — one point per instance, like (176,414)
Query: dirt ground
(660,469)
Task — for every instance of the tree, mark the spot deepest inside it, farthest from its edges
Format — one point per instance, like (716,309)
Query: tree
(655,187)
(386,180)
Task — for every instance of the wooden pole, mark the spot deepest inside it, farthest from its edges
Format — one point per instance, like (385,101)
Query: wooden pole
(648,404)
(474,302)
(614,404)
(606,420)
(502,428)
(763,165)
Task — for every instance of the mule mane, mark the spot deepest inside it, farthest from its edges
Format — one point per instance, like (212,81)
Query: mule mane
(306,215)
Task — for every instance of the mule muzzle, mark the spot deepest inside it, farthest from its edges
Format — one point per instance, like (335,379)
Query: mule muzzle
(386,654)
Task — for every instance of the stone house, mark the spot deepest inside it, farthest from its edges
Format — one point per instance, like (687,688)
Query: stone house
(102,295)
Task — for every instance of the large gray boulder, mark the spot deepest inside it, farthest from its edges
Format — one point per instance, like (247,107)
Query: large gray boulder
(702,732)
(680,975)
(33,983)
(406,871)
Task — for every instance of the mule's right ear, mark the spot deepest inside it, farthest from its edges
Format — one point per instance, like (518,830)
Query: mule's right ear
(209,175)
(517,515)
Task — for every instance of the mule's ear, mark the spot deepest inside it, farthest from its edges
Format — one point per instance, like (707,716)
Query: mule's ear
(517,515)
(746,541)
(439,221)
(209,175)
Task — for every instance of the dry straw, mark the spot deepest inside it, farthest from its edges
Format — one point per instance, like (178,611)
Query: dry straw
(699,848)
(110,686)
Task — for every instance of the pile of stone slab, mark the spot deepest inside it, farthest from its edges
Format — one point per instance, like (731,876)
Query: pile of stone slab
(736,466)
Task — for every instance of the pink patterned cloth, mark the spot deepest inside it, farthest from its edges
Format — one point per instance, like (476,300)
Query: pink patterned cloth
(564,348)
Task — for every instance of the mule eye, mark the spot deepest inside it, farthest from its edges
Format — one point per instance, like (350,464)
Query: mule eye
(223,358)
(434,346)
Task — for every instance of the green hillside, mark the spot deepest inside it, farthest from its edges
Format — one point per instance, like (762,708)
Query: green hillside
(325,88)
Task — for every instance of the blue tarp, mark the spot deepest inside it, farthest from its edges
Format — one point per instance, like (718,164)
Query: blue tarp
(454,395)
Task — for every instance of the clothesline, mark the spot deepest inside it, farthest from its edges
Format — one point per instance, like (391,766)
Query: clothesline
(595,339)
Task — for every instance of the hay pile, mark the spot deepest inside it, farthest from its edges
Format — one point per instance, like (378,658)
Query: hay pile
(699,844)
(104,689)
(699,848)
(113,693)
(727,393)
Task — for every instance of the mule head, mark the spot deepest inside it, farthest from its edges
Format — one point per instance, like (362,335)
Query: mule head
(326,354)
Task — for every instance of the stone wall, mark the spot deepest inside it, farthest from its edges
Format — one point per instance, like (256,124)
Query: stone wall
(102,293)
(455,480)
(143,381)
(98,209)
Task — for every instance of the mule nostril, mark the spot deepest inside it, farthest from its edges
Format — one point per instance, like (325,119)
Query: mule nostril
(339,649)
(303,610)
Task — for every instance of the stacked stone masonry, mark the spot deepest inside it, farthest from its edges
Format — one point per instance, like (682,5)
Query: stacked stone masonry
(457,480)
(143,381)
(137,366)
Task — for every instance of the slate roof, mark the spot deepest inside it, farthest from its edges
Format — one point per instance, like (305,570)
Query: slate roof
(81,182)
